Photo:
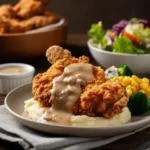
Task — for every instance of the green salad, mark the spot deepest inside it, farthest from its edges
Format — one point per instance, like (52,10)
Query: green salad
(132,37)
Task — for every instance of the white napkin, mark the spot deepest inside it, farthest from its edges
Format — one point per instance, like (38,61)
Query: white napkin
(12,131)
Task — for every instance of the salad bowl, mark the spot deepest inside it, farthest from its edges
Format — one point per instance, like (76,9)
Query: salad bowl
(128,42)
(140,64)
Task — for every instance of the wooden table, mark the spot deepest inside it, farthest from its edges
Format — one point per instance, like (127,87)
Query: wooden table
(77,44)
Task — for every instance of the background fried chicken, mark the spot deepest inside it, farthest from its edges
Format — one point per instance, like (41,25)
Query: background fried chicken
(25,16)
(29,8)
(40,21)
(7,11)
(100,96)
(8,25)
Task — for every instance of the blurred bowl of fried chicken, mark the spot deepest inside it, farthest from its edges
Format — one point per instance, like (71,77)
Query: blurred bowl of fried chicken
(29,27)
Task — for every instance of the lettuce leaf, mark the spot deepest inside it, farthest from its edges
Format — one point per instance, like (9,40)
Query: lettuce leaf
(124,45)
(98,34)
(97,31)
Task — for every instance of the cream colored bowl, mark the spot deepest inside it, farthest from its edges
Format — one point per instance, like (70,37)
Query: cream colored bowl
(139,63)
(9,81)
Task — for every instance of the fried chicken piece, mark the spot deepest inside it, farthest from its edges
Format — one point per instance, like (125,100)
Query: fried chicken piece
(106,99)
(7,11)
(56,53)
(29,8)
(100,96)
(41,21)
(3,25)
(8,25)
(42,83)
(26,15)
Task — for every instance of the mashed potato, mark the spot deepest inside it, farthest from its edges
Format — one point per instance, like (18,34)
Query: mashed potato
(86,121)
(33,109)
(35,112)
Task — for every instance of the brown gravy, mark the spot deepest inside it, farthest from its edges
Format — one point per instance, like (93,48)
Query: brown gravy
(13,70)
(56,117)
(67,87)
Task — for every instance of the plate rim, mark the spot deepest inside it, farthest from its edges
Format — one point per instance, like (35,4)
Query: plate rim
(144,121)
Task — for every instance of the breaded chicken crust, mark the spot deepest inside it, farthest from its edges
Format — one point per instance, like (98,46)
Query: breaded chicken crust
(100,96)
(106,99)
(7,11)
(28,8)
(42,83)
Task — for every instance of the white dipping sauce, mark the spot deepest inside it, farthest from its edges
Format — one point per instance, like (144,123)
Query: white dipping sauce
(67,87)
(13,70)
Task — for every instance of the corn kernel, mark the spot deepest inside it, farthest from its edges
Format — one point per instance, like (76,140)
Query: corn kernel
(136,78)
(115,78)
(134,89)
(148,90)
(134,83)
(129,91)
(128,87)
(126,80)
(131,88)
(144,86)
(142,91)
(121,78)
(145,80)
(139,80)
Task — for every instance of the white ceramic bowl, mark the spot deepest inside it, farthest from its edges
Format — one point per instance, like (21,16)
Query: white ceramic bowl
(9,81)
(140,64)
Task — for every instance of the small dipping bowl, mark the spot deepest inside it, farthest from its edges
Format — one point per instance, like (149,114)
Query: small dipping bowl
(13,75)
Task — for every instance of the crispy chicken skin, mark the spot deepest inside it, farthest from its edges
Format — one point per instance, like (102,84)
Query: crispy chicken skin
(7,11)
(29,8)
(100,96)
(106,99)
(8,25)
(40,21)
(26,15)
(61,54)
(42,83)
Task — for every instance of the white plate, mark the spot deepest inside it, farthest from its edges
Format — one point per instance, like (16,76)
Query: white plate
(14,102)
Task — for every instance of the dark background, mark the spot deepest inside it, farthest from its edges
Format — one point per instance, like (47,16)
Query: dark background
(82,13)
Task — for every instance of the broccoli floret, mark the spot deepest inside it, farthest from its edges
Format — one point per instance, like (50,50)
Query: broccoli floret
(138,103)
(124,70)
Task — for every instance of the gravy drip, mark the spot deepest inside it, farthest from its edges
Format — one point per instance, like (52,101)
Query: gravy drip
(67,87)
(55,117)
